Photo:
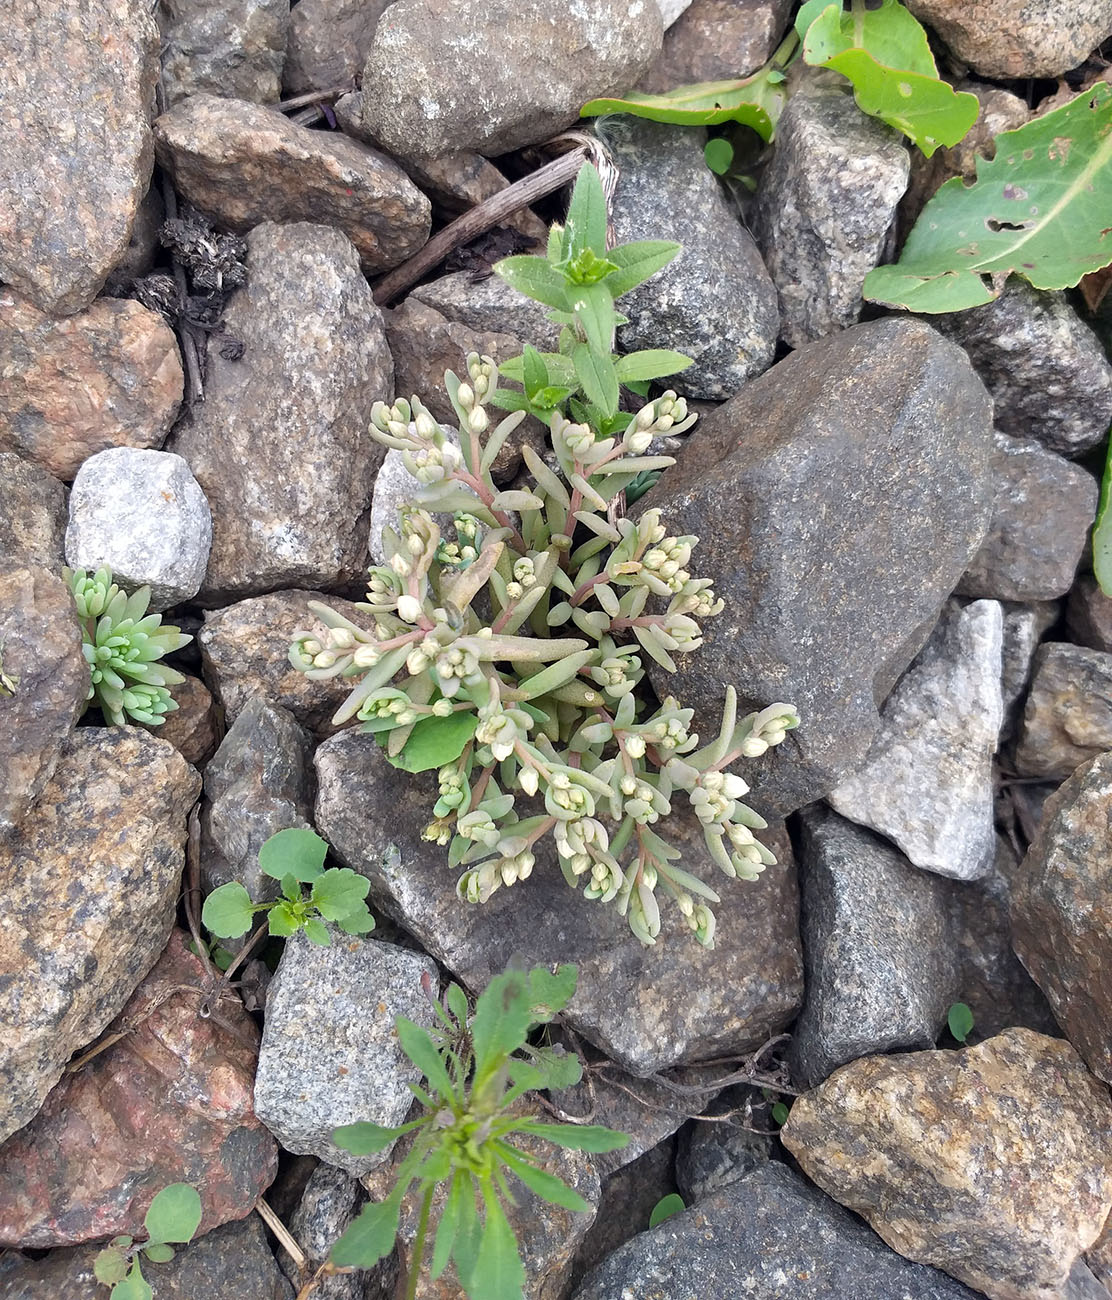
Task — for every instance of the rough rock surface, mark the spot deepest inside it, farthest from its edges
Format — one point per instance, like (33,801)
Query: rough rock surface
(1040,524)
(1024,627)
(717,40)
(33,507)
(1014,38)
(877,946)
(425,57)
(224,47)
(110,376)
(993,1163)
(927,781)
(170,1102)
(242,164)
(144,516)
(1044,367)
(394,489)
(770,1236)
(90,880)
(710,1156)
(193,728)
(714,301)
(76,82)
(1068,718)
(851,490)
(1089,615)
(45,688)
(489,305)
(749,985)
(245,649)
(280,443)
(326,1208)
(824,207)
(329,42)
(258,783)
(1062,914)
(330,1053)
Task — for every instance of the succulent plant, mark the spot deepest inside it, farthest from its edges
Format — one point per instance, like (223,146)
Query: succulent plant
(123,644)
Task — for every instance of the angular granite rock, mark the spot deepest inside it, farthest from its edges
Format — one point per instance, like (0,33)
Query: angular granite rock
(143,515)
(770,1236)
(242,164)
(711,1155)
(824,207)
(169,1102)
(993,1164)
(1068,718)
(1089,615)
(838,499)
(330,1053)
(715,300)
(77,79)
(436,92)
(90,880)
(327,1206)
(194,727)
(1025,624)
(44,688)
(677,1004)
(33,507)
(329,42)
(280,443)
(877,945)
(717,40)
(224,47)
(489,305)
(927,783)
(110,376)
(1062,910)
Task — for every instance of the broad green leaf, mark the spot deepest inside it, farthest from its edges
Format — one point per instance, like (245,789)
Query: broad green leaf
(577,1137)
(134,1286)
(449,1224)
(367,1139)
(1039,208)
(339,892)
(158,1252)
(435,741)
(637,262)
(718,154)
(652,363)
(560,1069)
(809,12)
(539,1181)
(422,1051)
(666,1207)
(498,1273)
(780,1113)
(297,852)
(593,306)
(534,371)
(551,991)
(755,101)
(359,921)
(596,374)
(317,932)
(110,1265)
(1102,531)
(585,227)
(370,1237)
(535,278)
(960,1021)
(551,396)
(228,911)
(174,1214)
(560,369)
(283,920)
(465,1249)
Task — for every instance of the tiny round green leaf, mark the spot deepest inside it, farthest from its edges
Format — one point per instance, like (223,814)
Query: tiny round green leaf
(110,1265)
(960,1021)
(174,1214)
(158,1252)
(228,911)
(297,852)
(718,155)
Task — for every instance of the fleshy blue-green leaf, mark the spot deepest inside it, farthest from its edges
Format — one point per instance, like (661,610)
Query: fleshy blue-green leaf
(435,741)
(297,852)
(227,912)
(174,1214)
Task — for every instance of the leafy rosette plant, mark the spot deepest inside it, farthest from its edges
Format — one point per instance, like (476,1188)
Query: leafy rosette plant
(174,1216)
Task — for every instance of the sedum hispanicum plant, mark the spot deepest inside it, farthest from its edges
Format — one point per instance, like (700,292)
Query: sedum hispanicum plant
(477,1071)
(174,1216)
(122,644)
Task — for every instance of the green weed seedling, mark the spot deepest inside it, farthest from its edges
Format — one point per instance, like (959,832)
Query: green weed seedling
(174,1216)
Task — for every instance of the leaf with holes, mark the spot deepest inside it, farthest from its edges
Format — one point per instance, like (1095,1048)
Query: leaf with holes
(1039,209)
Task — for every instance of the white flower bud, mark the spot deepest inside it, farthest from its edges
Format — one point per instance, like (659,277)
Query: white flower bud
(442,708)
(365,656)
(409,609)
(529,779)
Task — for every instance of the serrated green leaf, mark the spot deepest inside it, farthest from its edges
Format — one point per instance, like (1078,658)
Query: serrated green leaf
(434,741)
(228,911)
(283,920)
(539,1181)
(577,1137)
(585,227)
(755,101)
(536,278)
(638,262)
(666,1207)
(158,1252)
(501,1022)
(297,852)
(718,154)
(134,1286)
(1038,209)
(110,1265)
(960,1021)
(597,376)
(498,1273)
(174,1214)
(370,1237)
(339,892)
(1102,531)
(560,1069)
(357,921)
(652,363)
(422,1051)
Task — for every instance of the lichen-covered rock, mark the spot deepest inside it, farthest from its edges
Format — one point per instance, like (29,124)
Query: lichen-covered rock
(927,782)
(44,686)
(234,48)
(993,1164)
(110,376)
(77,79)
(33,507)
(280,443)
(824,208)
(90,880)
(714,301)
(838,499)
(717,40)
(1062,911)
(1044,367)
(329,42)
(1014,38)
(878,949)
(1089,615)
(169,1102)
(143,515)
(242,164)
(748,988)
(436,91)
(1068,718)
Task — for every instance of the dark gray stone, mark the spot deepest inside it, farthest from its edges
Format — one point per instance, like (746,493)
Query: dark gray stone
(838,498)
(717,40)
(1089,615)
(329,42)
(234,48)
(711,1155)
(1068,718)
(33,507)
(327,1206)
(714,302)
(770,1236)
(489,306)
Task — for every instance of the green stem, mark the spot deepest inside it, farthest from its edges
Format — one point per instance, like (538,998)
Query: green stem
(419,1247)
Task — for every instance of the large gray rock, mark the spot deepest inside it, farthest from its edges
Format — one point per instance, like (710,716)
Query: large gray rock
(280,443)
(824,208)
(1045,368)
(437,91)
(1025,625)
(330,1053)
(223,47)
(76,83)
(838,499)
(1089,614)
(33,506)
(329,42)
(770,1236)
(697,1003)
(258,783)
(877,946)
(1068,718)
(927,781)
(143,515)
(242,164)
(711,1154)
(490,306)
(717,40)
